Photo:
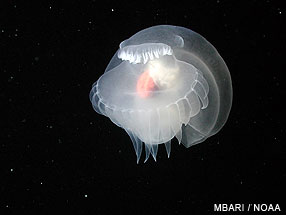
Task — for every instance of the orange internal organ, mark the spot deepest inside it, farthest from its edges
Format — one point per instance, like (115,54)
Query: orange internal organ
(145,85)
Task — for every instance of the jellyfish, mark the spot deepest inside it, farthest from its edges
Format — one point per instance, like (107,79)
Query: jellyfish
(164,82)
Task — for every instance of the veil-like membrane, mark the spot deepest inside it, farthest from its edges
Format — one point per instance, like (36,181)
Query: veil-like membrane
(165,82)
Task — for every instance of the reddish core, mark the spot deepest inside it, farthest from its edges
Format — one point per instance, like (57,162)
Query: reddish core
(145,85)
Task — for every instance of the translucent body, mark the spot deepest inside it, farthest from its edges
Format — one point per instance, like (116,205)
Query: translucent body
(164,82)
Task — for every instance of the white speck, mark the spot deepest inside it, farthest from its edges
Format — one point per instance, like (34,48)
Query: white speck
(78,30)
(2,31)
(50,7)
(280,12)
(85,196)
(112,9)
(11,170)
(15,6)
(15,35)
(41,183)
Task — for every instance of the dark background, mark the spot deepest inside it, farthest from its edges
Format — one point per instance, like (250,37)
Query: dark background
(57,153)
